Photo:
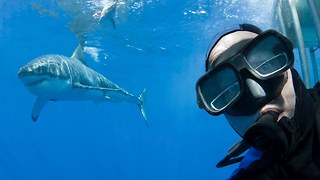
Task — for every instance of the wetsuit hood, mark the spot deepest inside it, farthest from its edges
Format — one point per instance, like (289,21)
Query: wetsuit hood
(305,111)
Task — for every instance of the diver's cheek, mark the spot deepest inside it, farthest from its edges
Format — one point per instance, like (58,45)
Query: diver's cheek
(284,104)
(289,96)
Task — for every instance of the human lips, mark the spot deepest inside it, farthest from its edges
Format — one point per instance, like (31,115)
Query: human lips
(276,110)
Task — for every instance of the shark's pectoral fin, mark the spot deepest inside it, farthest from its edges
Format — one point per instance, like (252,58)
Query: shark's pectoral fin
(37,107)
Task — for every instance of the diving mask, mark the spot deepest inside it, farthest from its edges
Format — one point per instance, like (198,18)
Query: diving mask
(264,59)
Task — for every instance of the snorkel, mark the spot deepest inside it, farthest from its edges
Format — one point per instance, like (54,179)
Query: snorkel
(269,134)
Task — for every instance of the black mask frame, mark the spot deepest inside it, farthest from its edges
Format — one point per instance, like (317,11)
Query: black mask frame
(237,63)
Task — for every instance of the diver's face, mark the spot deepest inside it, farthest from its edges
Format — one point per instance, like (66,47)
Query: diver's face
(283,104)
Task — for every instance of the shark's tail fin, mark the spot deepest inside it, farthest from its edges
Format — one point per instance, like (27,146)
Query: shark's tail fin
(141,105)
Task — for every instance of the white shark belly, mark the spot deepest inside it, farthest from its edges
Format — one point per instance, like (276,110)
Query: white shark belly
(77,94)
(51,88)
(62,90)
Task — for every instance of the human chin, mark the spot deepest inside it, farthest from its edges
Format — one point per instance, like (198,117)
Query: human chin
(241,123)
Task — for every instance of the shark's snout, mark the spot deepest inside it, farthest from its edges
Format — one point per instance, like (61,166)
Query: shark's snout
(29,78)
(24,71)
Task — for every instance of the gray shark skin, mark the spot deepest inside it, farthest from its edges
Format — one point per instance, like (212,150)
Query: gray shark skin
(108,12)
(60,78)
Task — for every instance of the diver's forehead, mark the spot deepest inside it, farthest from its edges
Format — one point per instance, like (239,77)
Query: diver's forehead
(228,41)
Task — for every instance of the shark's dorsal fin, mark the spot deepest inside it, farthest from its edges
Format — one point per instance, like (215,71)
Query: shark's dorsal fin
(78,54)
(37,107)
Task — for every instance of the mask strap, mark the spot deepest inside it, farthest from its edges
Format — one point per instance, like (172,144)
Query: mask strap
(233,153)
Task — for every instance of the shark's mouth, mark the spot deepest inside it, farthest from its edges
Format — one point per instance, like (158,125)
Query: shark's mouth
(33,81)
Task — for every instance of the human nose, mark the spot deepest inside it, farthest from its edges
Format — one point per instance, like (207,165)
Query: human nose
(255,88)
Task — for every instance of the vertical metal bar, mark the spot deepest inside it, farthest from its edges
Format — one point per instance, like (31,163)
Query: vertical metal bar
(315,18)
(301,46)
(282,25)
(314,64)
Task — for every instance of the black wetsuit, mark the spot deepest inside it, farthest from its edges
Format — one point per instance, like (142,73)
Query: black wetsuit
(304,162)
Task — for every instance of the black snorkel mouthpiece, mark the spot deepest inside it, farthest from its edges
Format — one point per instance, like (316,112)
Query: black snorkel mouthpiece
(270,135)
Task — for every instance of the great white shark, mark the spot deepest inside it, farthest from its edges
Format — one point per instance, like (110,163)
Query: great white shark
(56,77)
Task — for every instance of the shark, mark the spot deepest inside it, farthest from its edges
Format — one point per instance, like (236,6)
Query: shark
(55,77)
(107,12)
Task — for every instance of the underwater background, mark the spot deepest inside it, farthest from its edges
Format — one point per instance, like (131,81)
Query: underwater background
(156,44)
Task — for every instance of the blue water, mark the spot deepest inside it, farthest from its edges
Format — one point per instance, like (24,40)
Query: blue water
(158,45)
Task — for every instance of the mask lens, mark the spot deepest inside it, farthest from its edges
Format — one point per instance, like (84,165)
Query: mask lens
(268,56)
(219,89)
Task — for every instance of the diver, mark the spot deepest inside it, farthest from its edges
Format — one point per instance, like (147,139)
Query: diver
(250,79)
